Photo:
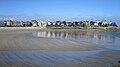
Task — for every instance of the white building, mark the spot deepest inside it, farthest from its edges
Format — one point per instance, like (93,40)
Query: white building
(42,24)
(34,23)
(96,23)
(103,22)
(111,22)
(49,23)
(8,22)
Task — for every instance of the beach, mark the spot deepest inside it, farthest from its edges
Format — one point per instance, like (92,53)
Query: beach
(19,48)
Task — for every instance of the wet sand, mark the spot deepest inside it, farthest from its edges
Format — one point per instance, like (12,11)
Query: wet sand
(19,48)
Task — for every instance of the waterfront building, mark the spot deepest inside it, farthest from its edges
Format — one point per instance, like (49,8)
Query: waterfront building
(34,23)
(8,23)
(87,23)
(96,23)
(43,24)
(103,22)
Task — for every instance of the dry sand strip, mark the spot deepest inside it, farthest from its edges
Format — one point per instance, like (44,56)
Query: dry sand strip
(3,29)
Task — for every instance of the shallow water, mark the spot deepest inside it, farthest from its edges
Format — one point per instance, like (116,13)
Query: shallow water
(108,41)
(112,33)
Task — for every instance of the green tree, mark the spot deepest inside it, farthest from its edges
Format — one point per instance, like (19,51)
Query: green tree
(113,24)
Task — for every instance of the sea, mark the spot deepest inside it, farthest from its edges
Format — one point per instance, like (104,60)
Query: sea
(112,33)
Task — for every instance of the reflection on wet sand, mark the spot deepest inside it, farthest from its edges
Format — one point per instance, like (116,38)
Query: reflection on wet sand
(83,36)
(73,35)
